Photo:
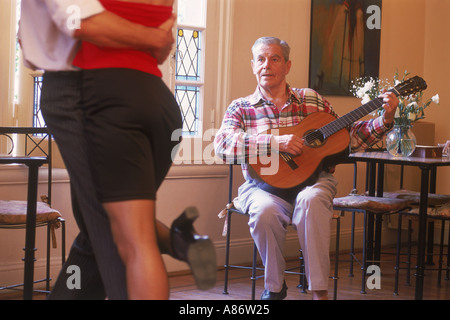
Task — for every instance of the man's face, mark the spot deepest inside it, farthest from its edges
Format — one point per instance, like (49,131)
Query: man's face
(269,66)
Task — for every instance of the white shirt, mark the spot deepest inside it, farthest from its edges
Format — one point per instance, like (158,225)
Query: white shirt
(46,28)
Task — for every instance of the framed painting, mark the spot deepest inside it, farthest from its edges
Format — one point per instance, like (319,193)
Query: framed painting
(344,44)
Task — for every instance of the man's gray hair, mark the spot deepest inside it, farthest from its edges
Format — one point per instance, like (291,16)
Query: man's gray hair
(273,40)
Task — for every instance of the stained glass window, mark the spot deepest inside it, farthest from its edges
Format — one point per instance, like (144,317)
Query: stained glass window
(188,55)
(38,120)
(189,63)
(188,78)
(188,100)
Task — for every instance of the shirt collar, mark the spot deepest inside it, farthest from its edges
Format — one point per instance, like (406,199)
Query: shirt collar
(258,100)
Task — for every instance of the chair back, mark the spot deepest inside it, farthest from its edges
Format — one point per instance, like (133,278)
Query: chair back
(29,142)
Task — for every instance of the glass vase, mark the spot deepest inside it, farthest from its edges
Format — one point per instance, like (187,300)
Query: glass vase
(401,141)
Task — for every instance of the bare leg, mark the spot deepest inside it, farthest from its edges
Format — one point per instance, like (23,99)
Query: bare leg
(133,226)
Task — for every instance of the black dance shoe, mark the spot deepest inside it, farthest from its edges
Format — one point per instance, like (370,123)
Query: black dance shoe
(197,250)
(269,295)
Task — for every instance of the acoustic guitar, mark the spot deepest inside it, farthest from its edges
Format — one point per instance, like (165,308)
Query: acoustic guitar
(326,142)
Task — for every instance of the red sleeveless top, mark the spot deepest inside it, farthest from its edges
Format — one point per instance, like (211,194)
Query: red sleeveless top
(91,56)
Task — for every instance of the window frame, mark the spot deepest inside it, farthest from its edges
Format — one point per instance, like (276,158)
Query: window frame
(217,52)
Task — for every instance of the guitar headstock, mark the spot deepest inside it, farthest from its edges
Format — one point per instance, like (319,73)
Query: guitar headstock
(411,86)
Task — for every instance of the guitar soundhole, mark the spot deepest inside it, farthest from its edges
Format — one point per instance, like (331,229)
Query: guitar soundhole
(314,139)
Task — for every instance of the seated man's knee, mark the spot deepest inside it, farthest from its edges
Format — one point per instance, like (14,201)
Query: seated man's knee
(310,198)
(266,213)
(306,200)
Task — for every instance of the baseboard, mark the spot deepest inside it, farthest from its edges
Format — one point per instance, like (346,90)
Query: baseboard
(12,272)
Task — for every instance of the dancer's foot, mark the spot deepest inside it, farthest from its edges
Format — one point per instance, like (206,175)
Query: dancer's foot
(198,251)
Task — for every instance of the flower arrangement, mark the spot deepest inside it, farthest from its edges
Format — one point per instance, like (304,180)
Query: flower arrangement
(410,108)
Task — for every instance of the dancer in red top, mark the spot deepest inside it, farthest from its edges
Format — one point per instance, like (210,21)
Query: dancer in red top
(130,116)
(91,56)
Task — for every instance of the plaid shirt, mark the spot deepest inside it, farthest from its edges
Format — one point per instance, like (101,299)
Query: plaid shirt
(243,131)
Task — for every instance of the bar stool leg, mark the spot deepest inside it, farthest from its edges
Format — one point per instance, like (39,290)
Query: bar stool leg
(408,261)
(441,253)
(255,252)
(397,257)
(352,246)
(447,275)
(227,254)
(336,262)
(302,285)
(364,259)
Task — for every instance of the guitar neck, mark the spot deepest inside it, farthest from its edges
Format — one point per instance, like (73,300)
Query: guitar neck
(349,118)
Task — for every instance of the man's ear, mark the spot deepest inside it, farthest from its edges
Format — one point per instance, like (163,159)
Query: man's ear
(288,64)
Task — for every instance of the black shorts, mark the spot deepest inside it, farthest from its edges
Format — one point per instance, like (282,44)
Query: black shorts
(129,120)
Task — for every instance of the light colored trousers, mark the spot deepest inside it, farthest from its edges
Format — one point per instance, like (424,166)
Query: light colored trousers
(310,215)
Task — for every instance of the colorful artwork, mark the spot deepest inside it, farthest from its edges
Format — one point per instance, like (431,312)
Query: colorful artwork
(345,43)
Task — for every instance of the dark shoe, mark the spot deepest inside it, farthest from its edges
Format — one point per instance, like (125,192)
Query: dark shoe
(198,251)
(268,295)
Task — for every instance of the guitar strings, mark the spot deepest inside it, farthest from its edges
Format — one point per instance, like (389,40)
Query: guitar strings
(340,123)
(351,117)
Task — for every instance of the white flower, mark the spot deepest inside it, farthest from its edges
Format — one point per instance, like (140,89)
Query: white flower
(410,108)
(365,99)
(360,93)
(435,98)
(368,85)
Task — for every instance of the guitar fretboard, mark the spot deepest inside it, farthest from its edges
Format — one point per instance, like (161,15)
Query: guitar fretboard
(320,135)
(349,118)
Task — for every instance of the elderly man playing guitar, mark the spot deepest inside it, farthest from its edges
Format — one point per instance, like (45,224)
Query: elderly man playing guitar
(252,127)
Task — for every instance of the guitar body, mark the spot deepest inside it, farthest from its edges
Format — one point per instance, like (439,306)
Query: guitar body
(288,175)
(326,143)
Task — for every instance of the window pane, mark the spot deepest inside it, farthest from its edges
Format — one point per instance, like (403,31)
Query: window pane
(191,13)
(188,55)
(188,100)
(38,120)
